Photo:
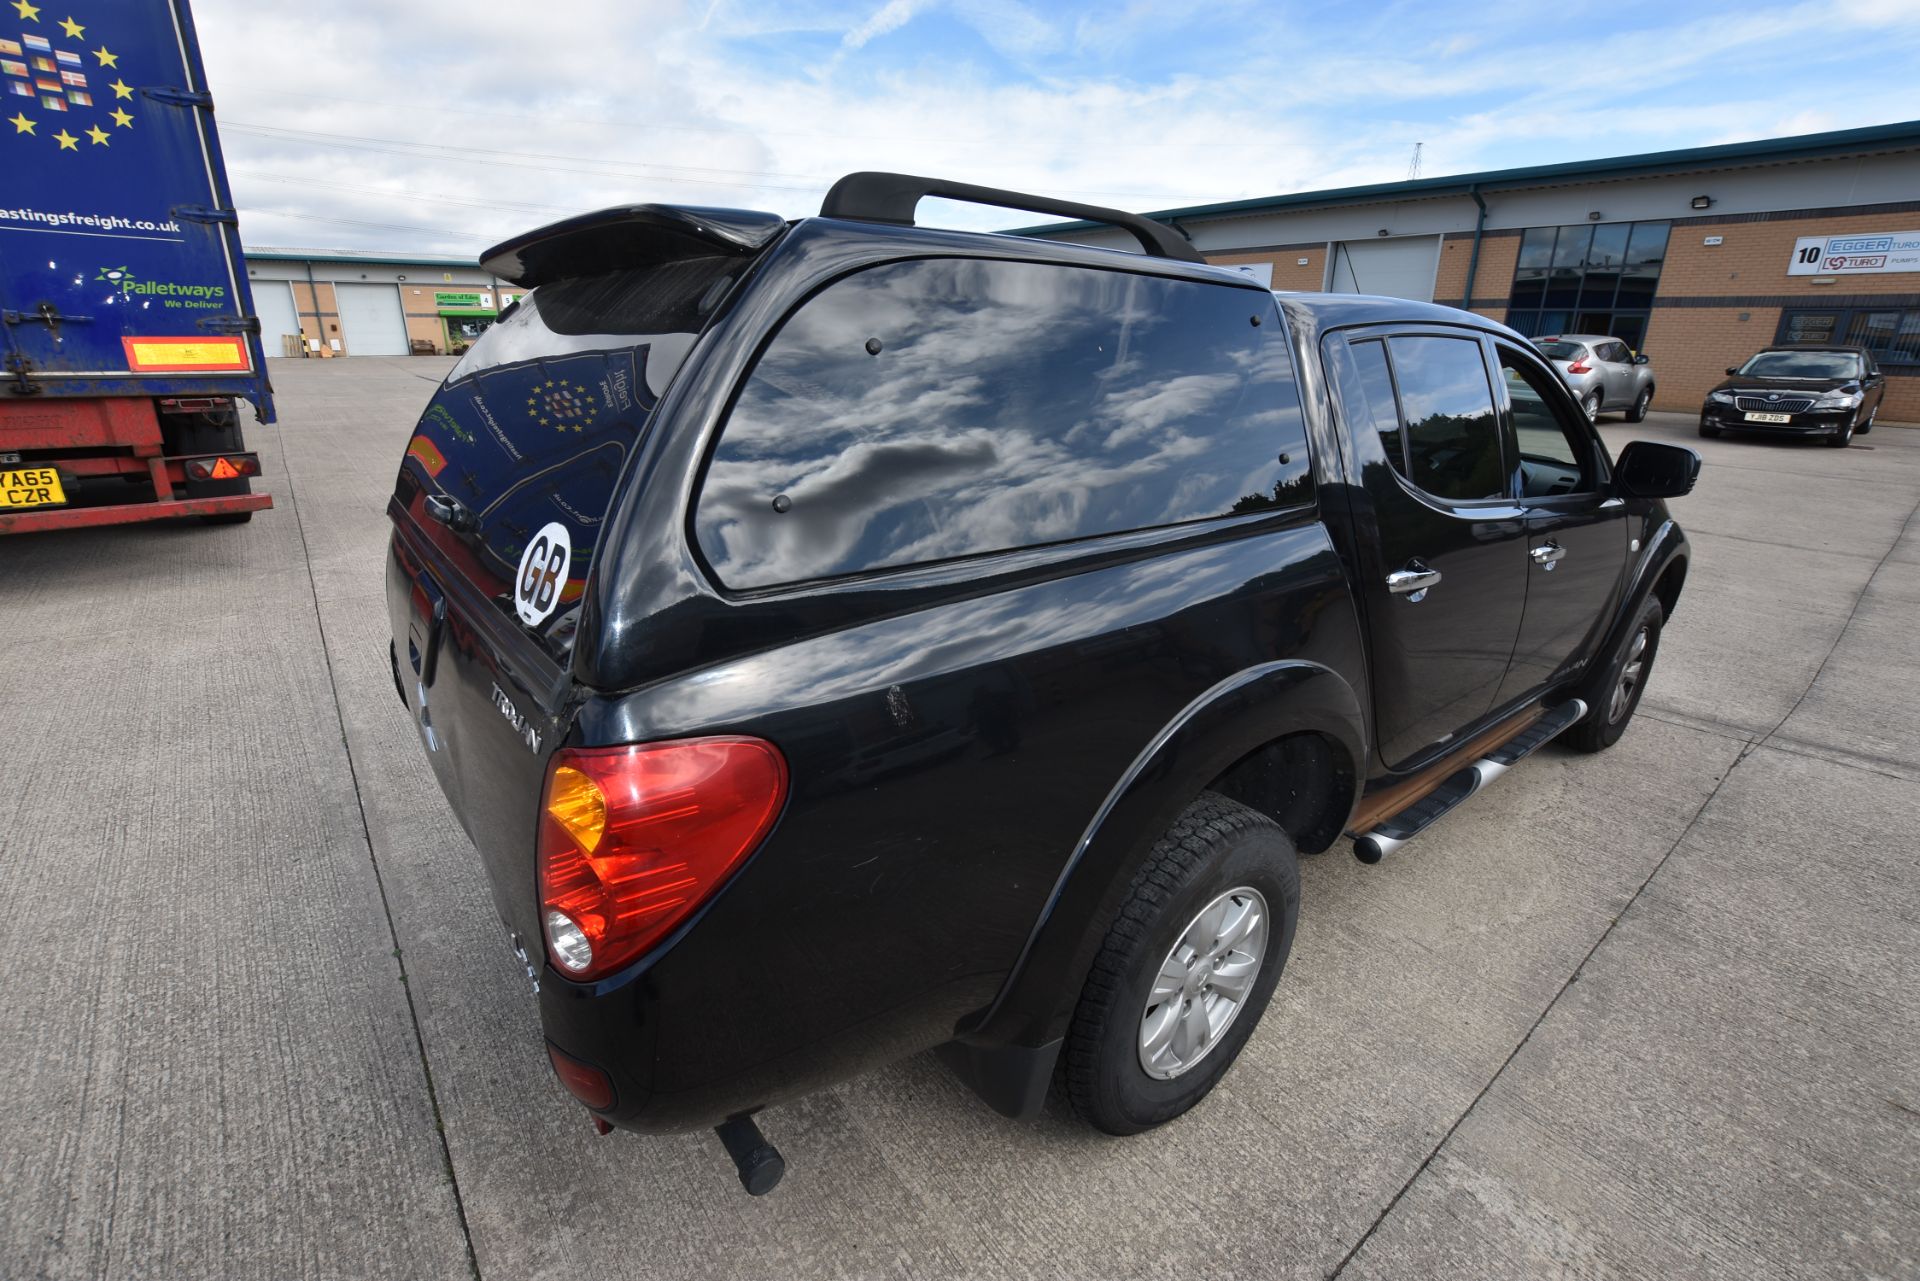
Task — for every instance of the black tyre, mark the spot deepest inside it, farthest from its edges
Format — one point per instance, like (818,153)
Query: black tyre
(1591,406)
(1186,968)
(1867,426)
(1842,438)
(1638,414)
(1709,430)
(1613,692)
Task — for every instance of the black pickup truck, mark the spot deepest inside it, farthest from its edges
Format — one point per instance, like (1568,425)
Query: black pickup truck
(842,638)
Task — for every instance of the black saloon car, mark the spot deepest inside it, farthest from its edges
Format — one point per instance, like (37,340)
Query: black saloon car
(843,638)
(1824,392)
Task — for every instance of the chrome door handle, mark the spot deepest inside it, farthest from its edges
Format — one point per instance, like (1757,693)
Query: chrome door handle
(1547,554)
(1413,581)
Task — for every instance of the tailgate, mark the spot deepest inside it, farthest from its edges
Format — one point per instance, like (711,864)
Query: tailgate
(502,494)
(490,708)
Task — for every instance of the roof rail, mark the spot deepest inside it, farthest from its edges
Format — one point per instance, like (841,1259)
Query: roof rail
(892,197)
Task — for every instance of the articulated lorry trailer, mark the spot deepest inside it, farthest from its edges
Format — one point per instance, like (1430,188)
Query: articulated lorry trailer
(129,350)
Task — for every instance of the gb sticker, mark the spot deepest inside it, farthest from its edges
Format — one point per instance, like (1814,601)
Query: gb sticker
(543,572)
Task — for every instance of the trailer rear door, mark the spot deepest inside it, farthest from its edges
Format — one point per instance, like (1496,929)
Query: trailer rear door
(119,258)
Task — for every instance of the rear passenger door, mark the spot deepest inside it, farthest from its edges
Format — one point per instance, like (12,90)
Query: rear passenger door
(1623,376)
(1443,548)
(1576,532)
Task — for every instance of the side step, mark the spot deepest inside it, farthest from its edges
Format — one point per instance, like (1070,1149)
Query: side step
(1396,831)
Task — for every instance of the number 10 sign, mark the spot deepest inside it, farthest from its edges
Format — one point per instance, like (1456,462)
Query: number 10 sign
(1856,254)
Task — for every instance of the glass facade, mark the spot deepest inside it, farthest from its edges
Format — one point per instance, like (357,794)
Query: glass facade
(1589,278)
(1892,334)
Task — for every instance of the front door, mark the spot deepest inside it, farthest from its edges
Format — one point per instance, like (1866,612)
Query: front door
(1576,533)
(1443,555)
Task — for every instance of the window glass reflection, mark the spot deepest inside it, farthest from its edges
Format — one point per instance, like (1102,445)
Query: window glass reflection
(1453,442)
(920,411)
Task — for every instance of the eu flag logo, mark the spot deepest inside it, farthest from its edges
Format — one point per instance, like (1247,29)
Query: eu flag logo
(55,70)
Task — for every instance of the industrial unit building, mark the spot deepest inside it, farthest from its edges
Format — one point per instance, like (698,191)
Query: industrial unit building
(323,303)
(1697,257)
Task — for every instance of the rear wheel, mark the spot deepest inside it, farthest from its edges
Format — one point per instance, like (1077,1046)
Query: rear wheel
(1638,414)
(1614,692)
(1592,405)
(1186,968)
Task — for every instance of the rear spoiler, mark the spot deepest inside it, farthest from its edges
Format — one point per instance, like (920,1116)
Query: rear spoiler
(629,236)
(891,198)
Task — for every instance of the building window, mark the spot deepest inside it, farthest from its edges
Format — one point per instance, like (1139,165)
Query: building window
(1892,334)
(1590,278)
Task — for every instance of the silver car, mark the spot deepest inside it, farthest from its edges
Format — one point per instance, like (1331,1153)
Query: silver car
(1603,372)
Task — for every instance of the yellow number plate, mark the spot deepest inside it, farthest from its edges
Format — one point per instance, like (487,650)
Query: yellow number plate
(31,487)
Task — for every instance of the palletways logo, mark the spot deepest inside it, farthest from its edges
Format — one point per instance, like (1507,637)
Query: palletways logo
(168,293)
(61,80)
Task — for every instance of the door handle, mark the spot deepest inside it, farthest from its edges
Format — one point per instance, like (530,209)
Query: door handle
(1413,581)
(449,511)
(1548,554)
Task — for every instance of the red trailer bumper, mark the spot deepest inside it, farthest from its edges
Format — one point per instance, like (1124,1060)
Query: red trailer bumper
(114,437)
(30,521)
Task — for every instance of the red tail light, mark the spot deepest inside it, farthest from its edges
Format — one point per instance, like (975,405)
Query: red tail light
(223,468)
(633,839)
(1580,367)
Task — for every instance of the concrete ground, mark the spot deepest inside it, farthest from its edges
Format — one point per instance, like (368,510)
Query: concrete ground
(1646,1014)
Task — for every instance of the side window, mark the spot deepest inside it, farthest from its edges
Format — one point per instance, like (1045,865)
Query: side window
(1453,439)
(1366,398)
(1614,353)
(920,411)
(1556,455)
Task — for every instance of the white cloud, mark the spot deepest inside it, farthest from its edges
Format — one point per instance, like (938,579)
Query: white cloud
(890,16)
(449,125)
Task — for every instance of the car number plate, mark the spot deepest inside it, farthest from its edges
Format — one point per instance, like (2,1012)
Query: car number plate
(31,487)
(1769,418)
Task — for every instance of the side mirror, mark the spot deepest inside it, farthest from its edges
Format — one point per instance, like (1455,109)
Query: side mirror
(1733,369)
(1642,359)
(1651,469)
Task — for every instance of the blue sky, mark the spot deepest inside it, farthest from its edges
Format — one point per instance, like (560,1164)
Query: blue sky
(447,124)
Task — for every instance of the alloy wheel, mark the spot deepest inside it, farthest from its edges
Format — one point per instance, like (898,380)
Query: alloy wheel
(1204,983)
(1631,673)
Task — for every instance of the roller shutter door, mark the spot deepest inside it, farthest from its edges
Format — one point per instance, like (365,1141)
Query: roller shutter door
(1397,266)
(273,303)
(370,320)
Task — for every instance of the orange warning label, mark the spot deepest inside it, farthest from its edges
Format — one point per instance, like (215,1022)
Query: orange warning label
(195,355)
(224,470)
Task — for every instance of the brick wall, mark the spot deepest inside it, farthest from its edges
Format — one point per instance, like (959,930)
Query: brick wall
(1492,277)
(318,319)
(1691,348)
(423,317)
(1753,258)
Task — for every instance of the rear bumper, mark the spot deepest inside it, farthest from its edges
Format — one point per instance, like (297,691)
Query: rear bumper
(33,520)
